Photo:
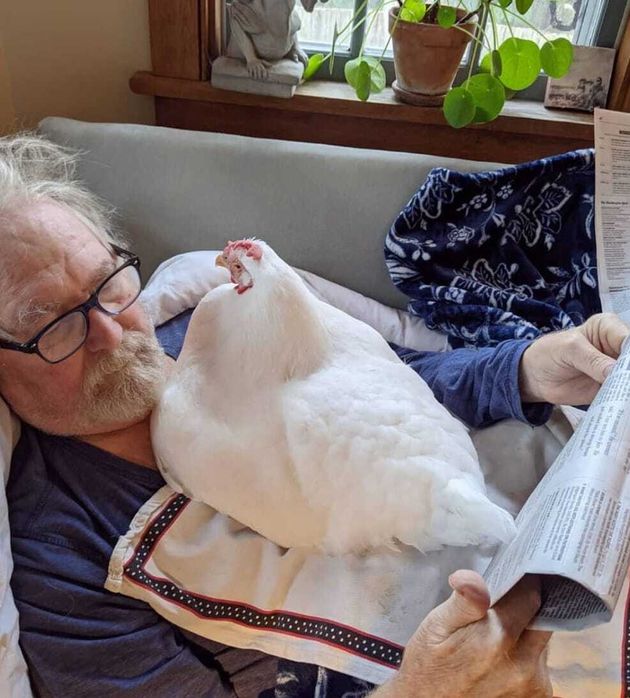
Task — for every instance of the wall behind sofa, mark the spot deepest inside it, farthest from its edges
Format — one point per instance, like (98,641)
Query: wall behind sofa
(72,58)
(7,111)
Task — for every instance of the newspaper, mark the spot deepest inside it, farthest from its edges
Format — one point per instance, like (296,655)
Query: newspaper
(612,210)
(574,530)
(575,527)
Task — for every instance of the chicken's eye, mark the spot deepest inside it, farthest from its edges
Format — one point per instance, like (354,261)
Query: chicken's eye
(238,266)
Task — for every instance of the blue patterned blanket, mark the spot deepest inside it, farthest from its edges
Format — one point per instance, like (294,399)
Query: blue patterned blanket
(500,255)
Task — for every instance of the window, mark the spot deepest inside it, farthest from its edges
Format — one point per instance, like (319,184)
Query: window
(584,22)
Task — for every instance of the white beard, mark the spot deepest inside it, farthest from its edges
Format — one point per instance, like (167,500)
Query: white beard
(124,386)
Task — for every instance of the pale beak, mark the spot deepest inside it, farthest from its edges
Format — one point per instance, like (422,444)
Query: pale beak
(220,261)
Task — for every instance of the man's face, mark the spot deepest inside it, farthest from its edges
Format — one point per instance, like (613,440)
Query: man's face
(53,262)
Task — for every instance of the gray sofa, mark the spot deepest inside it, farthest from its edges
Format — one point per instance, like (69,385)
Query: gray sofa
(323,208)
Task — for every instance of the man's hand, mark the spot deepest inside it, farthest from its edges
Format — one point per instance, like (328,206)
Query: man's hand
(568,368)
(464,649)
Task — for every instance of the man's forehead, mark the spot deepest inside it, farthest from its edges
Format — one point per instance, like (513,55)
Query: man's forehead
(78,258)
(44,261)
(44,232)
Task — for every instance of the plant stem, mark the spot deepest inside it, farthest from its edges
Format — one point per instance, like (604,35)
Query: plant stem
(350,22)
(494,28)
(469,15)
(475,37)
(369,28)
(529,24)
(389,38)
(478,44)
(431,15)
(507,21)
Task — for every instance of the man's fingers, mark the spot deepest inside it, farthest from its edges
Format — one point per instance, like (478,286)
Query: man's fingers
(590,361)
(608,332)
(516,609)
(468,603)
(532,643)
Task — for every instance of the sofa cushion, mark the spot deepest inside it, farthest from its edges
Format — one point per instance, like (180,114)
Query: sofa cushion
(323,208)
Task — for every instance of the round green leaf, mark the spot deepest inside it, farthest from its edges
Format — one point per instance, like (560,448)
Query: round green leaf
(497,63)
(362,87)
(488,96)
(491,63)
(377,74)
(523,5)
(413,11)
(446,16)
(505,3)
(459,107)
(351,71)
(314,64)
(556,57)
(520,63)
(358,75)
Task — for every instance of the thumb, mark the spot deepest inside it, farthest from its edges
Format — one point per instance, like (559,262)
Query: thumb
(587,359)
(468,604)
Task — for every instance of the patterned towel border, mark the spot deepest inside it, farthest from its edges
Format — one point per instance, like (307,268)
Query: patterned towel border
(338,635)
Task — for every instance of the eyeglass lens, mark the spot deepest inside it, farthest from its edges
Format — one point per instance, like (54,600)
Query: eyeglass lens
(64,337)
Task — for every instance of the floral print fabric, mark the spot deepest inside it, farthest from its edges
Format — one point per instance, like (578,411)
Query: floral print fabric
(507,254)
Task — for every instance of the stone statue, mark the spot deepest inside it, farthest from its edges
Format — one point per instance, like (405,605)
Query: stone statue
(263,55)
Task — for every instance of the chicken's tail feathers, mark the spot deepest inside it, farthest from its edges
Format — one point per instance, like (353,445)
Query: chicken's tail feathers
(463,515)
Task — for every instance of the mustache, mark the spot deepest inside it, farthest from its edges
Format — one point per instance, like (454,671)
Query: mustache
(135,347)
(124,384)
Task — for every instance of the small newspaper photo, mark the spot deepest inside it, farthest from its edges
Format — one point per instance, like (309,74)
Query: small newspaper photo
(574,530)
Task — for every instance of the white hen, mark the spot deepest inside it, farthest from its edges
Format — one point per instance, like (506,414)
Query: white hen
(300,422)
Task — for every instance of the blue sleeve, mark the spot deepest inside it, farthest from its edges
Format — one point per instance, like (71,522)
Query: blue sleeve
(171,334)
(479,386)
(83,641)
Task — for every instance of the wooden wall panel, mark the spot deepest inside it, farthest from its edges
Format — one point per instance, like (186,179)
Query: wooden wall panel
(212,23)
(336,129)
(176,38)
(619,97)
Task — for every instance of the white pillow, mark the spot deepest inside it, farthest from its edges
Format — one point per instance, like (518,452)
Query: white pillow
(165,296)
(13,672)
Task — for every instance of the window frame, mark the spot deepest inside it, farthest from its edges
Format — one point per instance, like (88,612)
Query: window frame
(605,34)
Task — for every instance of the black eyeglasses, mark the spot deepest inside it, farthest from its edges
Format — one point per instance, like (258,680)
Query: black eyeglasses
(66,334)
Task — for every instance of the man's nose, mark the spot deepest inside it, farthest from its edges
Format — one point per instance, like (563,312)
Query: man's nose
(105,333)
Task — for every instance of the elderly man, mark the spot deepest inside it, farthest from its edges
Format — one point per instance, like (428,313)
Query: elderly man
(81,365)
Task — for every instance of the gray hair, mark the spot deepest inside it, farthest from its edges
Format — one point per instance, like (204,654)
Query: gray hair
(33,168)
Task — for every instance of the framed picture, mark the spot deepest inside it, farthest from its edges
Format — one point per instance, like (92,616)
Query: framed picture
(586,85)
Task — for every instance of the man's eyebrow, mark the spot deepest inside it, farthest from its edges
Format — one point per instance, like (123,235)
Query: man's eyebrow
(31,310)
(105,268)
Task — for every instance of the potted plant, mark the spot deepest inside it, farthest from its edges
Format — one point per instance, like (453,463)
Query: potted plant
(429,40)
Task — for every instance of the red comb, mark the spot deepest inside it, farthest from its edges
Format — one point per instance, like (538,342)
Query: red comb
(252,249)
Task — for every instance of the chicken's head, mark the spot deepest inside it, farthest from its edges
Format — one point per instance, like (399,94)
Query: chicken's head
(242,259)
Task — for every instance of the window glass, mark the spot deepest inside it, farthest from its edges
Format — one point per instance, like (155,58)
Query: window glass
(579,21)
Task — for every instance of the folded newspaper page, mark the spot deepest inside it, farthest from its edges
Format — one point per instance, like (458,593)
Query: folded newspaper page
(574,530)
(612,209)
(575,527)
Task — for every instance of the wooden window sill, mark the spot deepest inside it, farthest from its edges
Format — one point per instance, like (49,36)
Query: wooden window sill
(328,112)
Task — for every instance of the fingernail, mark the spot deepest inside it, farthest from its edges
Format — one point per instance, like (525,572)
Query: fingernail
(472,594)
(608,369)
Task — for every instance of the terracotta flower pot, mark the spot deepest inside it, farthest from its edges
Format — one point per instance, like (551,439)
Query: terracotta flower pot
(426,58)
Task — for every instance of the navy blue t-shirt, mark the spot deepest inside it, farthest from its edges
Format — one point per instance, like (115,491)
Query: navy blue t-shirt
(70,501)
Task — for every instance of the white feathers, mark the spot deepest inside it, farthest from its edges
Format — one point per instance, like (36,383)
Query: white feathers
(300,422)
